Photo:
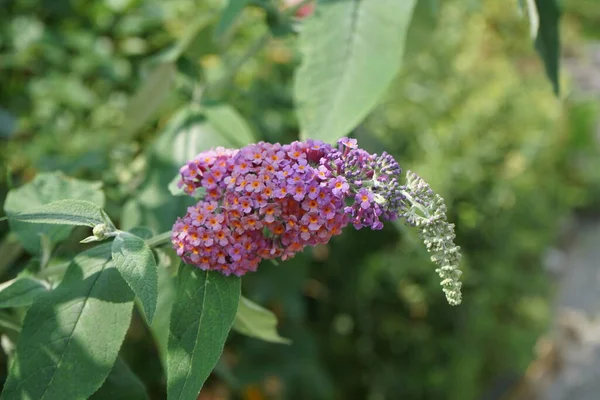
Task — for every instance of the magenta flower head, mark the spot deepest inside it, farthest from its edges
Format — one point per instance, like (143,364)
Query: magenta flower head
(268,201)
(269,204)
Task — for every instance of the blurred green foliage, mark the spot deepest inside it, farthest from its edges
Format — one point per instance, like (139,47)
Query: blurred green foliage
(472,112)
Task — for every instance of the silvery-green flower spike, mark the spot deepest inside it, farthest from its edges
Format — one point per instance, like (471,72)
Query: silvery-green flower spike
(426,210)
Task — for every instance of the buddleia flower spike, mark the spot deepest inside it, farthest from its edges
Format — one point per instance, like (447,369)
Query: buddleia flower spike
(270,201)
(426,210)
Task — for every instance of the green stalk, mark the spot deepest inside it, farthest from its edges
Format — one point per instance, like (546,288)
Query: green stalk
(159,240)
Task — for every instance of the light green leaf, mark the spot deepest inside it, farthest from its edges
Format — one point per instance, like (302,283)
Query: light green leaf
(8,347)
(20,292)
(201,319)
(174,189)
(157,86)
(47,188)
(63,212)
(46,252)
(135,261)
(229,123)
(188,133)
(547,42)
(121,384)
(534,18)
(71,336)
(177,191)
(258,322)
(351,51)
(229,16)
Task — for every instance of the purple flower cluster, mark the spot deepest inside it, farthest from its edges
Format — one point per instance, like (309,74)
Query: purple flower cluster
(371,178)
(268,201)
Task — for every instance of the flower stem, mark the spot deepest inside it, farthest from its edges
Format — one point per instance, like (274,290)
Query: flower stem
(159,240)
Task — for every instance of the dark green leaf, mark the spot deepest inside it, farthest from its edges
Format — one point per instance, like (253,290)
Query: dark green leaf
(121,384)
(258,322)
(422,28)
(47,188)
(150,96)
(11,250)
(63,212)
(71,336)
(351,51)
(201,319)
(229,16)
(9,323)
(20,292)
(189,37)
(547,42)
(135,261)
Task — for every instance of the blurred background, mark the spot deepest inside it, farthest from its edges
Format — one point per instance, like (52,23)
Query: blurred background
(471,112)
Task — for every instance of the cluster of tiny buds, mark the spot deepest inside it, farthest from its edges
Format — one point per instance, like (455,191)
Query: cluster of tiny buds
(426,210)
(268,201)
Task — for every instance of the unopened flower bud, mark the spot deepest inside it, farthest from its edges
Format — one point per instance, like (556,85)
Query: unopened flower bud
(101,231)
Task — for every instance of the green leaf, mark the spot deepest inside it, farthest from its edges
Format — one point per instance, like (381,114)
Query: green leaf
(547,42)
(187,134)
(351,51)
(150,96)
(10,323)
(63,212)
(230,124)
(174,189)
(11,251)
(20,292)
(258,322)
(141,232)
(71,336)
(534,18)
(173,54)
(422,27)
(229,16)
(135,261)
(121,384)
(167,292)
(8,347)
(201,319)
(47,188)
(46,252)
